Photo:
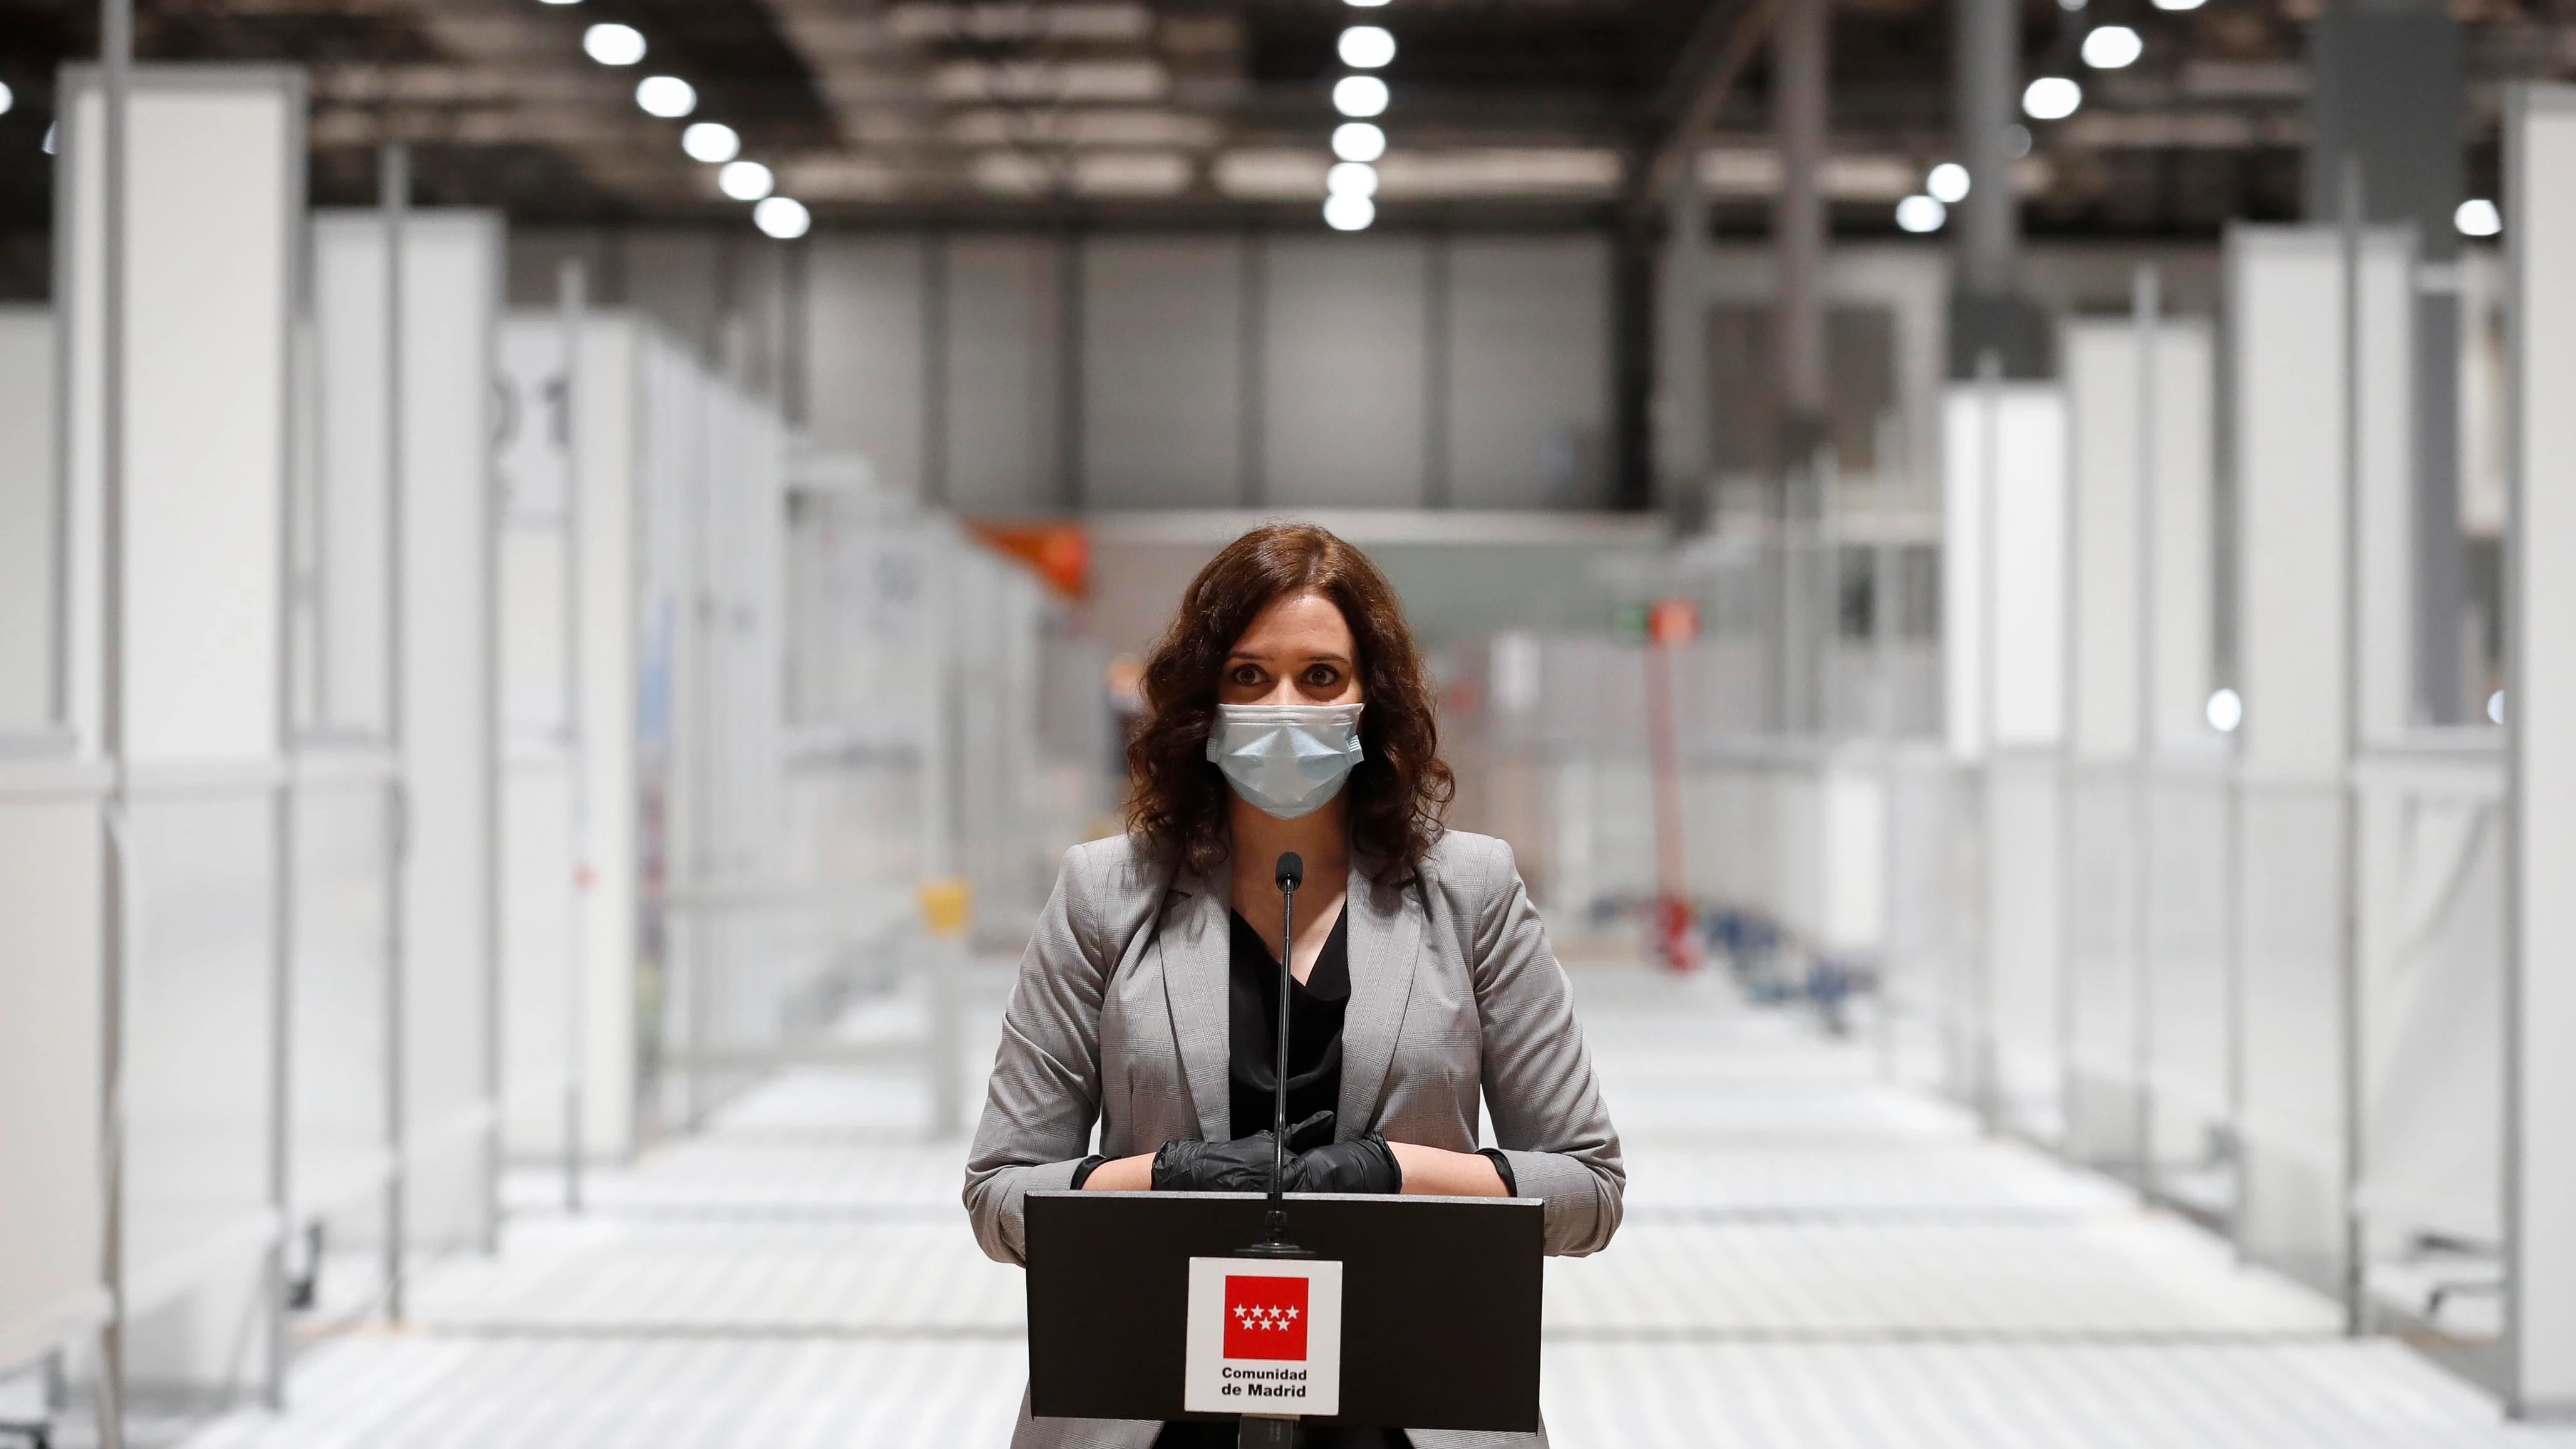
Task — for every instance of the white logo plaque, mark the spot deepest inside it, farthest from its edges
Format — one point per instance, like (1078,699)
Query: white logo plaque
(1265,1337)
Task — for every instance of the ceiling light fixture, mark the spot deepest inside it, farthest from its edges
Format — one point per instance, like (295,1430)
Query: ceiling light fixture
(2478,217)
(613,44)
(2051,98)
(1344,211)
(1351,178)
(1360,95)
(1358,141)
(745,180)
(1366,47)
(666,96)
(713,142)
(8,98)
(783,218)
(2179,4)
(1920,214)
(2109,47)
(1948,183)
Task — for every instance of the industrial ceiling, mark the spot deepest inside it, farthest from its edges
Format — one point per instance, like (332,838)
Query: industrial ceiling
(1501,111)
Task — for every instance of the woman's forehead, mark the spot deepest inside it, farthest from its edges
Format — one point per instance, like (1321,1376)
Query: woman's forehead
(1297,623)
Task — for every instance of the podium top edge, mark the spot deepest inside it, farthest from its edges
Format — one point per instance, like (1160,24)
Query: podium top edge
(1294,1198)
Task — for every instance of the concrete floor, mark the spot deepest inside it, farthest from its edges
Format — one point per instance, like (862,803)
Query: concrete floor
(1810,1258)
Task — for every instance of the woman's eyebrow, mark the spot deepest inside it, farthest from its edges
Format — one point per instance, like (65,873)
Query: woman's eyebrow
(1249,657)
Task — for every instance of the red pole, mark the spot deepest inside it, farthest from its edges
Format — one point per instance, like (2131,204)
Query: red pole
(1671,622)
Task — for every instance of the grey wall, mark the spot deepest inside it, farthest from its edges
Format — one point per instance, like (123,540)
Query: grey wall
(1014,374)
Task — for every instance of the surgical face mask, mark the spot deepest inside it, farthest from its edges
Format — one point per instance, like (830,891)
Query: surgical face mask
(1286,760)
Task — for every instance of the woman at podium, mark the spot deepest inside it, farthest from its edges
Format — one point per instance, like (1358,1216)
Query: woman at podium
(1287,711)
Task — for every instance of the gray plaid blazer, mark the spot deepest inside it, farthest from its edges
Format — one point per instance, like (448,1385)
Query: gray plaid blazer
(1120,1018)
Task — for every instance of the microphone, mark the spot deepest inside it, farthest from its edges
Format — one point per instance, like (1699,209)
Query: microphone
(1289,874)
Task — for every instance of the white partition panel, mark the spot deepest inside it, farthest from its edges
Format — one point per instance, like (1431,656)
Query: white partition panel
(51,849)
(536,853)
(2004,607)
(2123,421)
(2004,570)
(571,934)
(29,504)
(2540,710)
(343,867)
(2287,294)
(2432,1017)
(215,190)
(450,306)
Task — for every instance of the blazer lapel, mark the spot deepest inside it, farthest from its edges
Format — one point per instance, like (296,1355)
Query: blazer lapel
(1193,946)
(1385,940)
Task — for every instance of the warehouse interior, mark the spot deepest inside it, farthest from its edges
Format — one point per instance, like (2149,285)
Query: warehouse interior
(570,569)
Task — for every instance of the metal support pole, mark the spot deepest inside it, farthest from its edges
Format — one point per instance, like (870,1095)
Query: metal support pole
(1680,385)
(2348,832)
(1984,1091)
(393,182)
(1800,52)
(571,287)
(1799,59)
(2146,305)
(116,64)
(282,942)
(1986,61)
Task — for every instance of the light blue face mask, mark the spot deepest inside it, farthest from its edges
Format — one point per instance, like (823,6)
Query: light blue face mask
(1286,760)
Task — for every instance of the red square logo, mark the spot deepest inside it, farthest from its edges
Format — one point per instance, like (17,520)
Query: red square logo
(1265,1318)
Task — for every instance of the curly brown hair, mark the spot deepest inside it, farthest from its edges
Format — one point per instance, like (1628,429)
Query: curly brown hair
(1176,801)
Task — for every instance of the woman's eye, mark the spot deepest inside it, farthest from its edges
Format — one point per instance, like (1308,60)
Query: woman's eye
(1245,674)
(1322,676)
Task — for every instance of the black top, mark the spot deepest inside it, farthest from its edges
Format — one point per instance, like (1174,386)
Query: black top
(1314,1028)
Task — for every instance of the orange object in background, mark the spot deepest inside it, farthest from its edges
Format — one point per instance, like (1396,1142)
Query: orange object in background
(1673,621)
(1059,553)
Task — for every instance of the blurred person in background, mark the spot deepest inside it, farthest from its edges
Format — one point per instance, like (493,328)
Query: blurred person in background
(1286,709)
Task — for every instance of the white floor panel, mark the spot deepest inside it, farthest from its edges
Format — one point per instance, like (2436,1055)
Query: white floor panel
(1812,1258)
(2323,1395)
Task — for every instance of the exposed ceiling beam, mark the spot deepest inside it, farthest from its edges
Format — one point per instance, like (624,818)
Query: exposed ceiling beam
(1729,35)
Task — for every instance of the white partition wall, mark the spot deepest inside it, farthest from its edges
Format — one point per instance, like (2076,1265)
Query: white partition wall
(28,509)
(50,856)
(2005,607)
(2139,399)
(449,312)
(2296,540)
(215,189)
(672,917)
(2540,711)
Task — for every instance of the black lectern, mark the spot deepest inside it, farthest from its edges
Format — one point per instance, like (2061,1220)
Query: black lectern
(1439,1311)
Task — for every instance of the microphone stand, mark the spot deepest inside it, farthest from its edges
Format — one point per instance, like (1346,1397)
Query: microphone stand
(1275,1242)
(1262,1431)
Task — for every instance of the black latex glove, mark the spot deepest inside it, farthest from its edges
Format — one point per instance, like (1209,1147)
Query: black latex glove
(1363,1164)
(1243,1165)
(1190,1165)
